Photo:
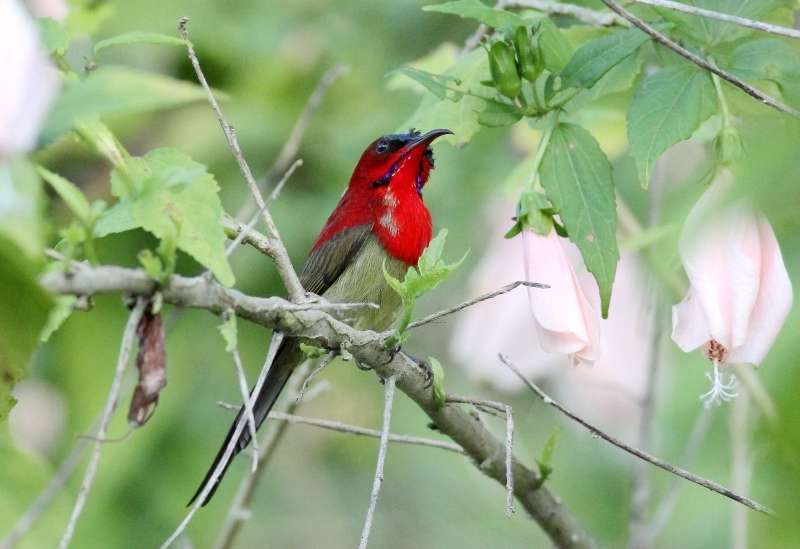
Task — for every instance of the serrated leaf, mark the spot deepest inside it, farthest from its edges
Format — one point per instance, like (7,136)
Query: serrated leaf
(618,79)
(54,35)
(710,32)
(667,107)
(595,58)
(769,59)
(229,331)
(111,90)
(474,9)
(69,193)
(137,37)
(576,176)
(22,316)
(175,190)
(437,384)
(555,47)
(461,117)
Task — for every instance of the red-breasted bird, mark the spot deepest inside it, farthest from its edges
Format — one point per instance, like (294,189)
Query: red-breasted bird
(380,221)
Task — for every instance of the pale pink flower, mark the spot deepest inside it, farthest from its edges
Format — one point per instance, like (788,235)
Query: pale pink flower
(30,81)
(610,390)
(565,322)
(739,293)
(55,9)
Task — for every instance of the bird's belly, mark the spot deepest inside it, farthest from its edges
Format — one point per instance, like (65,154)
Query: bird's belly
(363,282)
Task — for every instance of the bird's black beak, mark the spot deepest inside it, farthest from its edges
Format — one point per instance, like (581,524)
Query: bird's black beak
(426,139)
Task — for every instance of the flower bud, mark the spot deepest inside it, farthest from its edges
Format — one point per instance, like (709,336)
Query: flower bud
(503,67)
(529,61)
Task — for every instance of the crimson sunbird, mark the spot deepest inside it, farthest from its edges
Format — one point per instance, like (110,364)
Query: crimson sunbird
(380,221)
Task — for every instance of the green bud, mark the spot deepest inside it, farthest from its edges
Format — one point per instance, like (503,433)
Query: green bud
(503,67)
(728,145)
(529,61)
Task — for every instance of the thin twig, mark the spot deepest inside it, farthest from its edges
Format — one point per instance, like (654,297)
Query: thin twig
(474,301)
(584,15)
(741,466)
(709,484)
(640,482)
(735,19)
(505,409)
(45,498)
(128,337)
(363,431)
(277,337)
(699,61)
(377,481)
(278,250)
(248,407)
(667,505)
(246,229)
(323,362)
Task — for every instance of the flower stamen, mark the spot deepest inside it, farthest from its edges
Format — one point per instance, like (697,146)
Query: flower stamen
(721,390)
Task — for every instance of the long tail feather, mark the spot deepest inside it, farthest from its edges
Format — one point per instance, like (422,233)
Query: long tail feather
(286,360)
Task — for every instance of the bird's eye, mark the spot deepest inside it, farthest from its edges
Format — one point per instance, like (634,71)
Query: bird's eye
(382,147)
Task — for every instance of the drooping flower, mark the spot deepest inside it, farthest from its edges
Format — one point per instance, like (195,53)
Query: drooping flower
(610,390)
(30,80)
(565,320)
(739,293)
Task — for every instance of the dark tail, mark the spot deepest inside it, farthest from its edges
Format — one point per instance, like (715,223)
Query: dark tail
(286,359)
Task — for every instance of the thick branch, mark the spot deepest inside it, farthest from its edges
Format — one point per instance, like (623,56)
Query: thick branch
(699,61)
(311,322)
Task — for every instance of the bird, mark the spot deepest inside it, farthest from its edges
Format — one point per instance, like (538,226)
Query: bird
(381,222)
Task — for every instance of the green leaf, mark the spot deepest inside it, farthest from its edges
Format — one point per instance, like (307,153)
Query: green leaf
(442,86)
(555,46)
(619,79)
(545,460)
(437,384)
(576,176)
(667,107)
(312,351)
(498,114)
(462,116)
(229,331)
(474,9)
(710,32)
(22,317)
(594,59)
(151,264)
(100,138)
(58,315)
(137,37)
(69,193)
(769,59)
(22,206)
(54,35)
(111,90)
(174,190)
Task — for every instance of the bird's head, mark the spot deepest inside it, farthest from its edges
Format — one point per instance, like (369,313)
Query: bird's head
(400,162)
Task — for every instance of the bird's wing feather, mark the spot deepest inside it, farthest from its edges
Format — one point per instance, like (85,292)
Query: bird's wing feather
(325,264)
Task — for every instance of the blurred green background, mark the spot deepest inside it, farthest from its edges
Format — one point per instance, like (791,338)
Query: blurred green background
(268,56)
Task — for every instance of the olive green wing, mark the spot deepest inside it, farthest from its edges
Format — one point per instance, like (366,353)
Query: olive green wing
(325,264)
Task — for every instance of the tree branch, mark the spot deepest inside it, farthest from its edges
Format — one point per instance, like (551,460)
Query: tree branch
(705,483)
(277,251)
(699,61)
(735,19)
(584,15)
(108,410)
(309,321)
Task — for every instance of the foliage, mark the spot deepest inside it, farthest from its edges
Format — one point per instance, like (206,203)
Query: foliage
(431,270)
